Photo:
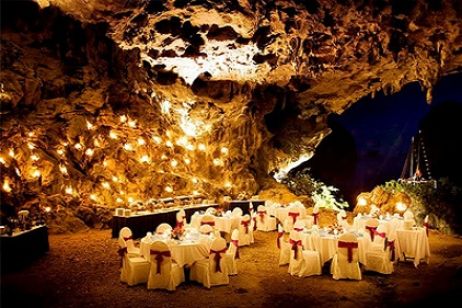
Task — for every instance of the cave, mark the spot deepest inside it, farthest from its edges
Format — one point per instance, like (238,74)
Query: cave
(155,111)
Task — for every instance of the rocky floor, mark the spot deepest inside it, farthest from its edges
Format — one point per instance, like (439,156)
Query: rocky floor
(81,270)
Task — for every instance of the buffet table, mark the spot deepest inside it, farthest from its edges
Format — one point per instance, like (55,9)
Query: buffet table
(23,247)
(140,224)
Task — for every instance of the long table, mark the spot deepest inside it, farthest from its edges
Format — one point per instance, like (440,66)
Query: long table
(141,224)
(20,249)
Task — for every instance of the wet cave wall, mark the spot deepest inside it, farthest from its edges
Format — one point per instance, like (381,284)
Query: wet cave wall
(104,103)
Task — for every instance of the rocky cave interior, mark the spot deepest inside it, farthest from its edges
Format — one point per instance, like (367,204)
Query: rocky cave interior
(106,103)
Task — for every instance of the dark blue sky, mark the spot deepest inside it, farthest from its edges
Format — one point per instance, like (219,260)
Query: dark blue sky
(381,130)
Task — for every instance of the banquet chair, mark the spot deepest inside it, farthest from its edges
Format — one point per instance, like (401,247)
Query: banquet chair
(379,238)
(210,211)
(213,270)
(345,264)
(380,261)
(163,273)
(264,221)
(316,215)
(163,228)
(126,240)
(134,267)
(295,254)
(245,231)
(237,212)
(371,227)
(284,247)
(205,229)
(232,253)
(180,220)
(208,219)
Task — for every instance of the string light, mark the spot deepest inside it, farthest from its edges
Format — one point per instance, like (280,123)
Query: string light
(119,200)
(31,134)
(18,172)
(165,107)
(190,147)
(78,146)
(48,209)
(60,152)
(69,190)
(89,125)
(217,162)
(11,153)
(31,146)
(168,189)
(224,151)
(128,147)
(115,179)
(93,197)
(123,118)
(195,193)
(89,152)
(157,139)
(174,163)
(169,144)
(145,159)
(113,135)
(2,160)
(63,169)
(202,147)
(228,184)
(105,163)
(65,144)
(34,157)
(96,143)
(132,123)
(195,180)
(6,186)
(36,173)
(362,201)
(164,157)
(130,200)
(106,185)
(187,161)
(141,141)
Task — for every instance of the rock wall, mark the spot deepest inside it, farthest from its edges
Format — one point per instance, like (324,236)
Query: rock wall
(108,102)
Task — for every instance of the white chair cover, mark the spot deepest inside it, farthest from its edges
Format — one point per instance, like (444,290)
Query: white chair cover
(237,212)
(208,219)
(212,271)
(233,253)
(264,221)
(245,231)
(163,273)
(345,264)
(163,228)
(210,211)
(295,259)
(126,240)
(284,247)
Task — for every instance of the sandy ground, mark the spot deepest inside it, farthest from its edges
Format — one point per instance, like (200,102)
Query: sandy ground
(82,270)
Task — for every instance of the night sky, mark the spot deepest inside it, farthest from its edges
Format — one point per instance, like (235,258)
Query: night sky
(370,140)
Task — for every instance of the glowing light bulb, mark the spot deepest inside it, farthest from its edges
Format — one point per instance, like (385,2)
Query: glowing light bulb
(36,173)
(93,197)
(31,134)
(123,118)
(174,163)
(182,141)
(164,157)
(11,153)
(157,139)
(48,209)
(90,126)
(119,200)
(105,163)
(128,147)
(6,186)
(18,172)
(169,144)
(69,190)
(106,185)
(190,147)
(78,146)
(63,169)
(224,151)
(89,152)
(400,206)
(122,192)
(132,123)
(130,199)
(2,160)
(168,189)
(165,107)
(96,143)
(362,201)
(60,152)
(217,162)
(228,184)
(187,161)
(144,159)
(202,147)
(115,179)
(34,157)
(31,146)
(141,141)
(195,193)
(195,180)
(65,144)
(113,135)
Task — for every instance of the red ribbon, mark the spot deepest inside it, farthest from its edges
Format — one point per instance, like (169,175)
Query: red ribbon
(372,231)
(179,224)
(316,218)
(294,216)
(246,223)
(262,215)
(122,252)
(349,246)
(160,257)
(236,243)
(295,245)
(254,223)
(426,225)
(381,234)
(298,229)
(280,234)
(217,258)
(128,238)
(391,245)
(210,223)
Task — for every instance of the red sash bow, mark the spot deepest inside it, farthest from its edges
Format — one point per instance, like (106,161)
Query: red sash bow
(426,225)
(128,238)
(262,215)
(122,252)
(294,216)
(298,229)
(254,223)
(280,235)
(236,244)
(350,246)
(179,224)
(159,255)
(246,223)
(381,234)
(372,231)
(218,258)
(295,245)
(391,245)
(316,218)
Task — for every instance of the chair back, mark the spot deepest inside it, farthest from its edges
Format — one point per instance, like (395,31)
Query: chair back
(208,219)
(408,214)
(217,251)
(371,227)
(234,243)
(246,224)
(295,244)
(210,211)
(163,227)
(126,238)
(299,226)
(237,212)
(160,258)
(205,229)
(347,248)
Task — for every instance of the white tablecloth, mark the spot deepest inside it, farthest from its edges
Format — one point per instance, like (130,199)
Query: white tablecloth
(186,252)
(222,223)
(413,244)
